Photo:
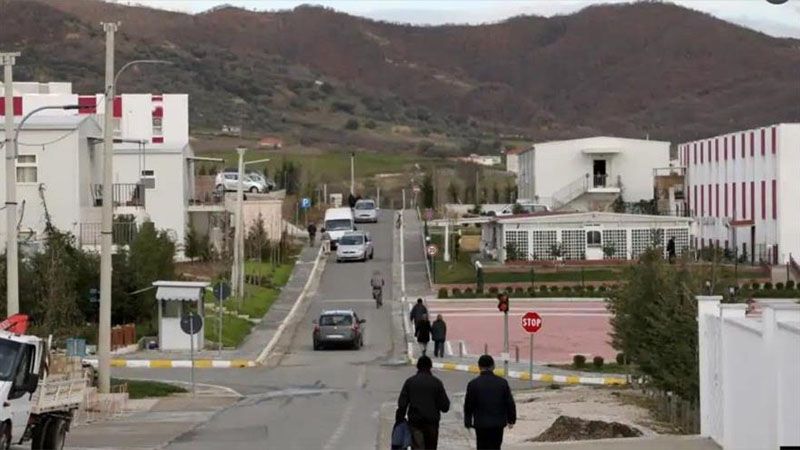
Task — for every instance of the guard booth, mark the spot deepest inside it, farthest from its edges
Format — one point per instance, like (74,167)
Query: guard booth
(174,299)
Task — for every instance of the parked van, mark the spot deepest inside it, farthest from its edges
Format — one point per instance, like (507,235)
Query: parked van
(338,221)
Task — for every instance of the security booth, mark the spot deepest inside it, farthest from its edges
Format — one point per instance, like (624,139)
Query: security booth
(175,299)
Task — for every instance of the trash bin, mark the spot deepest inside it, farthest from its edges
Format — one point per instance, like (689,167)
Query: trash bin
(76,347)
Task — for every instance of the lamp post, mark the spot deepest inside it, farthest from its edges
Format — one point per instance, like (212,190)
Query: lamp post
(12,268)
(107,210)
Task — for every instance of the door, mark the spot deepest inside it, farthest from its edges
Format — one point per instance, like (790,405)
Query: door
(20,401)
(599,172)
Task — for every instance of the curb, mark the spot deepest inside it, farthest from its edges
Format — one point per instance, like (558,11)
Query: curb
(543,377)
(178,363)
(282,327)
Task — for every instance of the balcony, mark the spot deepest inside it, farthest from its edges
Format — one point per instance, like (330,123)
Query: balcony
(603,183)
(122,233)
(124,195)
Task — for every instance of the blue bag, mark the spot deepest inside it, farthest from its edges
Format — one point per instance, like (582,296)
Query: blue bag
(401,436)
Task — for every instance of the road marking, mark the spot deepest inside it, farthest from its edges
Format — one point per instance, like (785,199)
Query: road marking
(542,377)
(177,363)
(341,427)
(477,314)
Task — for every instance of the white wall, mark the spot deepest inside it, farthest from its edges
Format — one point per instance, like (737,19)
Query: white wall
(512,162)
(788,164)
(749,369)
(554,165)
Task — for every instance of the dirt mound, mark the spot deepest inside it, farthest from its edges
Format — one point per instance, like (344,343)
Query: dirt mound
(567,428)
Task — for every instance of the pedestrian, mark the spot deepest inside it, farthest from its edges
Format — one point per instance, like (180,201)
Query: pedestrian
(423,333)
(489,406)
(422,400)
(312,233)
(326,241)
(671,249)
(439,335)
(417,312)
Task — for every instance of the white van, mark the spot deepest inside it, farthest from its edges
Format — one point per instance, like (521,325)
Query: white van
(338,221)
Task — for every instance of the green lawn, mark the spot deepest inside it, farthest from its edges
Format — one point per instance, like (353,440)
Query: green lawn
(145,389)
(234,330)
(462,271)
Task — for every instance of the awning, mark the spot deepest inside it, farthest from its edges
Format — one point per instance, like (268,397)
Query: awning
(179,293)
(601,150)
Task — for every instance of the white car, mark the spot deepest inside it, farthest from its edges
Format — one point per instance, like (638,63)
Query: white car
(229,181)
(365,211)
(354,246)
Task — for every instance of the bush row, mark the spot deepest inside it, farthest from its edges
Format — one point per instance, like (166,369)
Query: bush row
(539,291)
(768,286)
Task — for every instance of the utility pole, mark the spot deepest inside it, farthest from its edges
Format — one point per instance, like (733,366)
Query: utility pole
(12,268)
(237,271)
(353,173)
(477,190)
(402,249)
(104,332)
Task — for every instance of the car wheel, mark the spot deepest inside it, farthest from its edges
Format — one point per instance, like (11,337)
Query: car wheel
(372,254)
(254,190)
(315,345)
(356,345)
(56,433)
(5,436)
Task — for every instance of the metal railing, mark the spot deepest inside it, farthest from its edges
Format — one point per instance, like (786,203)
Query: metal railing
(124,194)
(571,191)
(123,233)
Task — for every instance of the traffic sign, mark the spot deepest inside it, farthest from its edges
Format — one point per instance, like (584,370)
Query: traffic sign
(305,203)
(222,290)
(191,323)
(531,322)
(432,250)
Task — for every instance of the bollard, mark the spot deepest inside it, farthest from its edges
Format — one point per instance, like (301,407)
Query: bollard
(460,349)
(516,353)
(485,349)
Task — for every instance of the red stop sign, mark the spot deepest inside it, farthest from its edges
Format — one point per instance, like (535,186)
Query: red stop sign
(531,322)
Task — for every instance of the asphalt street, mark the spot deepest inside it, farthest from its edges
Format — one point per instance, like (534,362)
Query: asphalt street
(331,399)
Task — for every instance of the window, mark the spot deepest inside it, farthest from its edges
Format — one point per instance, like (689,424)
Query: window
(593,239)
(335,320)
(171,309)
(27,171)
(572,244)
(516,245)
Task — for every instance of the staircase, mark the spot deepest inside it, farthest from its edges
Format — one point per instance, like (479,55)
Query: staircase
(568,193)
(587,194)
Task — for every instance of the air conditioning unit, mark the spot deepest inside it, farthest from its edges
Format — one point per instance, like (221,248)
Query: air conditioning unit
(148,179)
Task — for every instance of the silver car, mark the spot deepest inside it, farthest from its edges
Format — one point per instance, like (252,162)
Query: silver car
(365,211)
(354,246)
(338,327)
(229,181)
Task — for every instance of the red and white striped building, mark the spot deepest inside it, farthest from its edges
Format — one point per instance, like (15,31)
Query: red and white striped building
(743,190)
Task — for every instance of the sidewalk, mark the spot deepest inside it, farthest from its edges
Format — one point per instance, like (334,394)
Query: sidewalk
(260,335)
(152,427)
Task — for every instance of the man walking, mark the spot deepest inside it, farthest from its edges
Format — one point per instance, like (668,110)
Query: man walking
(439,335)
(489,406)
(671,250)
(417,312)
(312,233)
(423,333)
(423,399)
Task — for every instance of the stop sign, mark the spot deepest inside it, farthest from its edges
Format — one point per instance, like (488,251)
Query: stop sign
(531,322)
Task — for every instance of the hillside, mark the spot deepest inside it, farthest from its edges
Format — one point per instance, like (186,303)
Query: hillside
(630,70)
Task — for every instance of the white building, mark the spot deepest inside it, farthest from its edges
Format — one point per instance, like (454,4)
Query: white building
(749,370)
(581,236)
(742,189)
(588,174)
(512,160)
(153,170)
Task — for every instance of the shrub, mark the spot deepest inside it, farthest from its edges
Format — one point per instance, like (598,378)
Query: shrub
(602,288)
(352,124)
(579,361)
(566,288)
(493,290)
(621,358)
(553,288)
(532,291)
(544,288)
(589,288)
(456,292)
(597,362)
(790,284)
(768,286)
(756,286)
(779,286)
(554,386)
(468,291)
(519,291)
(443,293)
(370,124)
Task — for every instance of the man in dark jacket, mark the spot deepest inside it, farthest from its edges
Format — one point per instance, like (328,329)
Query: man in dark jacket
(312,233)
(423,333)
(489,406)
(422,400)
(439,335)
(417,312)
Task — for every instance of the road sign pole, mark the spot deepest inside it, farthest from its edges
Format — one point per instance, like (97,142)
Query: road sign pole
(191,353)
(505,344)
(530,363)
(219,320)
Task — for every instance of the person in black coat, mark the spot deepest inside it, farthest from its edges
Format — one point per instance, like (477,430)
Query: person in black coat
(438,335)
(489,406)
(417,312)
(423,399)
(423,333)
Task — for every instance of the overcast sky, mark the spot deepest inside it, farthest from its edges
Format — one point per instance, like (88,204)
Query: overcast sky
(776,20)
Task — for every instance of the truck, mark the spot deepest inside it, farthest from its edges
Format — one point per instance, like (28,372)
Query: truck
(37,406)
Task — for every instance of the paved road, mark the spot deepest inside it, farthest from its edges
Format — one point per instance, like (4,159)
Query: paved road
(336,399)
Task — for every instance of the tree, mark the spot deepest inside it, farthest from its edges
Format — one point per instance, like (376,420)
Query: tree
(427,191)
(151,257)
(495,193)
(509,192)
(351,124)
(654,322)
(452,192)
(257,240)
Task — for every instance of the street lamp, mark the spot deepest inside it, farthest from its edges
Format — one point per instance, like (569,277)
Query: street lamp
(107,211)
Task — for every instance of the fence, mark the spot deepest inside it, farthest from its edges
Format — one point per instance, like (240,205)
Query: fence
(123,233)
(123,336)
(124,194)
(749,395)
(681,414)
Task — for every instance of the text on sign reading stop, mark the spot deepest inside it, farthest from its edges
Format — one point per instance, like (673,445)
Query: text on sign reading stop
(531,322)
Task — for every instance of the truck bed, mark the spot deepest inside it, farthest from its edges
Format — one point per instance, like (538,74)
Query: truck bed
(58,394)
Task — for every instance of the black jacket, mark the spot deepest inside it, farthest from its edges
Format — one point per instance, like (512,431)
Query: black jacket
(423,399)
(423,331)
(417,311)
(489,403)
(439,330)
